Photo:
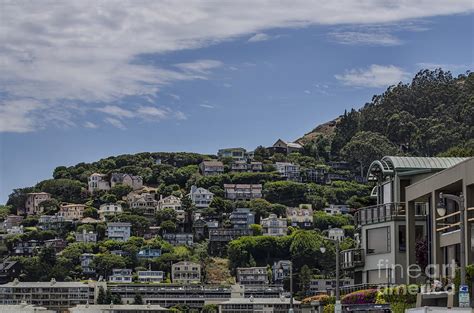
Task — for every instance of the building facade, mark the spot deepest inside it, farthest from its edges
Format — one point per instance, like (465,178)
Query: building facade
(121,275)
(33,201)
(71,211)
(186,273)
(97,181)
(210,168)
(119,231)
(288,171)
(301,216)
(179,239)
(242,191)
(136,182)
(108,210)
(242,218)
(86,237)
(252,276)
(274,226)
(200,197)
(150,276)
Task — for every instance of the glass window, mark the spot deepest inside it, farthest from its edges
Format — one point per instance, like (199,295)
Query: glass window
(378,240)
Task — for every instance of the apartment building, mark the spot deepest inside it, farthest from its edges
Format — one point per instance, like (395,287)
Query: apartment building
(274,226)
(71,211)
(242,191)
(200,197)
(119,231)
(444,233)
(211,167)
(97,181)
(186,272)
(288,171)
(121,275)
(33,201)
(327,285)
(382,228)
(145,202)
(86,237)
(179,239)
(252,276)
(52,295)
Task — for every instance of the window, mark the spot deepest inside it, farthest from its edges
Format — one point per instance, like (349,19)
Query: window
(378,240)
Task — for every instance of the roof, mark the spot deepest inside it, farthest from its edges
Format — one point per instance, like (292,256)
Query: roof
(212,163)
(390,164)
(119,224)
(46,284)
(99,308)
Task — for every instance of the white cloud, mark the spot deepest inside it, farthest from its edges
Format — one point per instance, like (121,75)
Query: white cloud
(148,112)
(361,38)
(116,111)
(180,116)
(89,124)
(16,115)
(89,53)
(115,122)
(307,92)
(259,37)
(373,76)
(207,106)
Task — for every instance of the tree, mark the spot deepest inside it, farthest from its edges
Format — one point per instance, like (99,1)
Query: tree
(138,299)
(104,263)
(210,308)
(167,214)
(285,192)
(256,229)
(49,207)
(366,147)
(120,190)
(64,190)
(305,279)
(168,226)
(101,297)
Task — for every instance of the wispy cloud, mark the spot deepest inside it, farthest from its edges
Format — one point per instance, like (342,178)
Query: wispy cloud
(373,76)
(116,111)
(259,37)
(307,92)
(89,124)
(207,106)
(360,38)
(115,122)
(89,53)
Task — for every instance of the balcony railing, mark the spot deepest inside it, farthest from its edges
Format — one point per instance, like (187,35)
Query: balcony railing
(352,258)
(379,213)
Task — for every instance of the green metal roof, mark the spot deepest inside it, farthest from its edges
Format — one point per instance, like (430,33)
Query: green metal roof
(390,164)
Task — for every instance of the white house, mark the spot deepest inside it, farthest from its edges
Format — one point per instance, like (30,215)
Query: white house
(150,276)
(109,209)
(334,209)
(136,182)
(170,202)
(71,211)
(201,197)
(121,275)
(288,171)
(274,226)
(336,234)
(186,272)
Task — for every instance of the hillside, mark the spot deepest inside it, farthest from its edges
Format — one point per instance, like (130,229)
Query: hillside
(432,115)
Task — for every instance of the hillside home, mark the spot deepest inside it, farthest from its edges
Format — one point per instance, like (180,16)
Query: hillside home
(237,154)
(186,273)
(181,239)
(52,222)
(201,197)
(108,210)
(242,191)
(285,147)
(149,253)
(274,226)
(170,202)
(121,275)
(86,263)
(150,276)
(288,171)
(212,167)
(327,285)
(9,270)
(336,234)
(119,231)
(11,221)
(334,209)
(242,218)
(136,182)
(301,216)
(33,201)
(58,244)
(145,202)
(315,175)
(97,181)
(15,230)
(444,233)
(86,237)
(27,248)
(243,166)
(382,228)
(71,211)
(252,276)
(281,271)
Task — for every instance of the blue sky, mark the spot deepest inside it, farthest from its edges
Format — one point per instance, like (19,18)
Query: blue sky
(79,82)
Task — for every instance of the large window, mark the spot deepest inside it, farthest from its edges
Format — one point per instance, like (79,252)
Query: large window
(378,240)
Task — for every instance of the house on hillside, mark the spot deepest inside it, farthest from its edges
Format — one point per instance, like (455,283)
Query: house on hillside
(334,209)
(285,147)
(252,276)
(71,211)
(301,216)
(170,202)
(119,231)
(211,167)
(107,210)
(136,182)
(201,197)
(97,181)
(243,166)
(33,201)
(288,171)
(237,154)
(186,273)
(242,191)
(274,226)
(242,218)
(143,201)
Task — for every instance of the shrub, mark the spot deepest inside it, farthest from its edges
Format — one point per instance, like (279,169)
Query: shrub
(366,296)
(399,294)
(328,308)
(323,299)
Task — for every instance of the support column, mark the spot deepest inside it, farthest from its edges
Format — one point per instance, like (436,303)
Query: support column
(436,257)
(410,222)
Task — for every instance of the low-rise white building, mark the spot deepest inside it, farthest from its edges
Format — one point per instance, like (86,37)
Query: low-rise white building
(121,275)
(252,275)
(334,209)
(107,210)
(136,182)
(33,201)
(201,197)
(301,216)
(86,237)
(336,234)
(150,276)
(325,285)
(170,202)
(288,171)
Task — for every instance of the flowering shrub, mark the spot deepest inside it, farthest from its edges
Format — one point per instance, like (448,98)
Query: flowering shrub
(366,296)
(328,308)
(323,299)
(399,294)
